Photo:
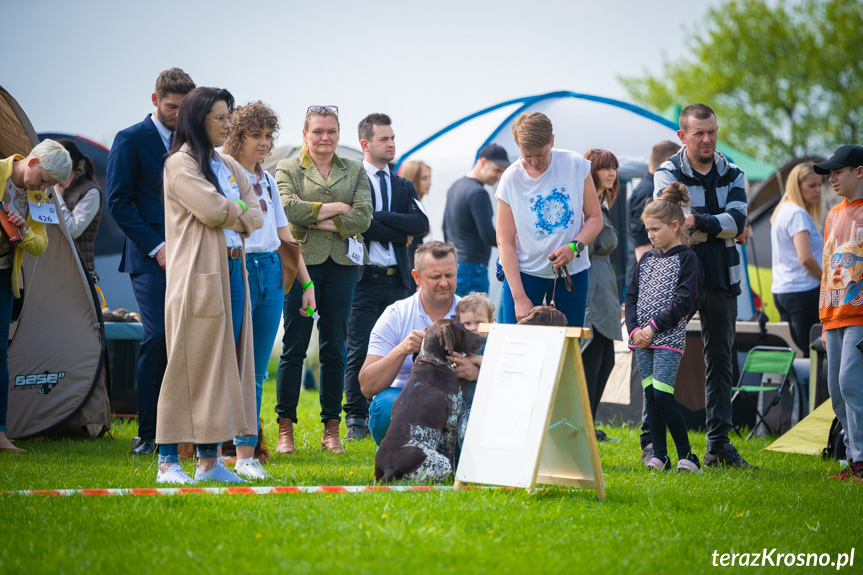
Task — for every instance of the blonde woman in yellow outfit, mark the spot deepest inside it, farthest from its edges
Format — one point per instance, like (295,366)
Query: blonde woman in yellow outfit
(25,181)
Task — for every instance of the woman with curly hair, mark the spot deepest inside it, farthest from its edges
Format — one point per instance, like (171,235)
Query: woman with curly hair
(254,128)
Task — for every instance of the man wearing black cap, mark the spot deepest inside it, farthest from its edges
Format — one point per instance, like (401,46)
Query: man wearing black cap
(841,303)
(467,220)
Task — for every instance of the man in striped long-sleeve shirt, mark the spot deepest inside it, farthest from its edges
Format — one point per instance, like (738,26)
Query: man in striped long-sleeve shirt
(718,200)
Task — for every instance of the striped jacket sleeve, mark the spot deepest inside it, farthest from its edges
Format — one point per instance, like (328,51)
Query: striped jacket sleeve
(730,223)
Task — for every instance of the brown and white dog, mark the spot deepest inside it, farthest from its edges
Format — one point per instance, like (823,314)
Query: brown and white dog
(421,441)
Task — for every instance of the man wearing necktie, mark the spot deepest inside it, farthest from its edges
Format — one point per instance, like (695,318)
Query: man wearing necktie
(387,277)
(135,200)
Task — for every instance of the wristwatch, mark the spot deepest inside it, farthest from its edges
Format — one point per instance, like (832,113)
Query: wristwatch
(577,248)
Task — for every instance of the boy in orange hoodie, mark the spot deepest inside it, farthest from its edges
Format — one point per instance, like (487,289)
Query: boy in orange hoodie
(841,302)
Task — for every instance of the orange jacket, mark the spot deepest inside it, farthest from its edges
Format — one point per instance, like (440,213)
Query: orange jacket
(841,302)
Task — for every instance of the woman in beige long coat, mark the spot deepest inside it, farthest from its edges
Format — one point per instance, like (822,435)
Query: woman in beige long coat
(208,392)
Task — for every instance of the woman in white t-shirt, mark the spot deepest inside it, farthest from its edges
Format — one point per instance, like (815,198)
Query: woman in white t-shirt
(797,247)
(254,128)
(547,211)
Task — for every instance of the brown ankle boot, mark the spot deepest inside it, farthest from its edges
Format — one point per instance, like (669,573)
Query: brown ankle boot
(286,436)
(330,438)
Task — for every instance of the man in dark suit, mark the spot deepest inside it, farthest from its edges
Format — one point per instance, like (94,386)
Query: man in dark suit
(135,200)
(387,277)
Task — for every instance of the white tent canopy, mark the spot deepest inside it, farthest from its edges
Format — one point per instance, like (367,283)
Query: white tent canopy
(580,122)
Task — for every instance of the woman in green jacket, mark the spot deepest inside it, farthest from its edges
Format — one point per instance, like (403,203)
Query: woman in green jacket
(328,203)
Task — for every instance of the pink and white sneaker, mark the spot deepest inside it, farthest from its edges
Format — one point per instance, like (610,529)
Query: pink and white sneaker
(657,464)
(690,464)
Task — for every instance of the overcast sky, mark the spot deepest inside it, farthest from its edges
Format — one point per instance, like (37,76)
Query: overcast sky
(88,67)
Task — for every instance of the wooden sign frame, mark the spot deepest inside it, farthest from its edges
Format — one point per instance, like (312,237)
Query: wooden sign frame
(549,437)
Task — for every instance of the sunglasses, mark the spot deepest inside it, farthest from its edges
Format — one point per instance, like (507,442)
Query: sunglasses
(322,109)
(259,191)
(597,150)
(847,259)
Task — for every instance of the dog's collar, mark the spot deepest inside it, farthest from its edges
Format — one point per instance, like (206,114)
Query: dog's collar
(423,358)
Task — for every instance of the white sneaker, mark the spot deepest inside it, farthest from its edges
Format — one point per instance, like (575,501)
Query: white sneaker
(174,474)
(251,468)
(218,473)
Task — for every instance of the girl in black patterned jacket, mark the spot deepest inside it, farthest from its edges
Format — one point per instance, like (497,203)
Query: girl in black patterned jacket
(659,302)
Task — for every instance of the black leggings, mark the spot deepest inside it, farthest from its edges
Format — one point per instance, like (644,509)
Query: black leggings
(800,310)
(598,359)
(662,411)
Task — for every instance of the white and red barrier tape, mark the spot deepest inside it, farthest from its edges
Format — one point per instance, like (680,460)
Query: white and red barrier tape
(234,490)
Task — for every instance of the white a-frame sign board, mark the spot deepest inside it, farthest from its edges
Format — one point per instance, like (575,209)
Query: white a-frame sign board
(530,421)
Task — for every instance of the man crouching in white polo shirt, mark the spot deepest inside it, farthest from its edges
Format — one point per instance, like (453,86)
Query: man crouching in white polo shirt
(398,333)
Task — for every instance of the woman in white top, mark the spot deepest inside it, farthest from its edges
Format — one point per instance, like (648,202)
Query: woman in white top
(797,247)
(547,211)
(80,202)
(254,128)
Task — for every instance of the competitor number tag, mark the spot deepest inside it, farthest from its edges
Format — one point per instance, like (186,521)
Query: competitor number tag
(356,251)
(45,213)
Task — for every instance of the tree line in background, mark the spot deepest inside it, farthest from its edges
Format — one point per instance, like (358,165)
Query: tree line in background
(785,78)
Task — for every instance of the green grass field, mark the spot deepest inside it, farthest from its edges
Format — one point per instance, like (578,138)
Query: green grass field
(649,523)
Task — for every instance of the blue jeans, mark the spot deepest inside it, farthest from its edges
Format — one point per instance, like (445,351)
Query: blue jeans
(169,454)
(471,277)
(6,299)
(238,295)
(334,292)
(268,298)
(572,303)
(238,301)
(380,412)
(844,374)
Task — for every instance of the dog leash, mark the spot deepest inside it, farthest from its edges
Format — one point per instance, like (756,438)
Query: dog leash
(562,273)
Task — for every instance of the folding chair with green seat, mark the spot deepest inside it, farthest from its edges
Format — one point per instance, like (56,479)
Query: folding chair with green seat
(764,360)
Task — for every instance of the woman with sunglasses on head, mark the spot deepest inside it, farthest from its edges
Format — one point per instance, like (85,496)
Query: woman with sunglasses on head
(328,202)
(603,303)
(797,248)
(254,128)
(208,392)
